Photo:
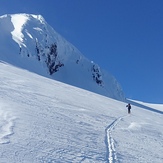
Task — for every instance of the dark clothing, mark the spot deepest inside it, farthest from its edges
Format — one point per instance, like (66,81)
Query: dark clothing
(129,111)
(129,108)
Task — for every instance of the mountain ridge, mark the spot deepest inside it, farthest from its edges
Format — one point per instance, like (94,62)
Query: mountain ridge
(36,46)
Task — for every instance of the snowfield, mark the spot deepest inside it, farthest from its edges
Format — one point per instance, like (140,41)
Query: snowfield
(46,121)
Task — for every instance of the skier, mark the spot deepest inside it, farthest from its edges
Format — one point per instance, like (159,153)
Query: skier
(129,108)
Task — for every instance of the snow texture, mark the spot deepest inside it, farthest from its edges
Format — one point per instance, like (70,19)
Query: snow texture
(46,121)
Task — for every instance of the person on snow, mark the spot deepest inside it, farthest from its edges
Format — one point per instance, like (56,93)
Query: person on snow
(129,108)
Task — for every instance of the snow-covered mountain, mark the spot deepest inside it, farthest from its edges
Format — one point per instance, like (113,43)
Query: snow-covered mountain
(39,125)
(27,41)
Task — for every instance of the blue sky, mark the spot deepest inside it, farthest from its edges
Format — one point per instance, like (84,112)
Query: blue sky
(125,37)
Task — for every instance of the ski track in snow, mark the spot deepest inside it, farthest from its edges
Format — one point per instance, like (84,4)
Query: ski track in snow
(6,127)
(109,141)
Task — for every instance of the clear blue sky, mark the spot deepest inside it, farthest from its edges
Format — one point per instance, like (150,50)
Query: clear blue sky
(125,37)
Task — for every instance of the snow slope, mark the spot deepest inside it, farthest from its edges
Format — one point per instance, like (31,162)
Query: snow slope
(46,121)
(27,41)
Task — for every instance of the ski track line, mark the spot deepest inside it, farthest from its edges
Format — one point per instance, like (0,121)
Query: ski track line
(109,141)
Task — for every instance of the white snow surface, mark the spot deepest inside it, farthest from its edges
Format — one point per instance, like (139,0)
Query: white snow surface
(46,121)
(29,42)
(18,22)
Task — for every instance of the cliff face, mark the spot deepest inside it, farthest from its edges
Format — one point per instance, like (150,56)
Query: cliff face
(27,41)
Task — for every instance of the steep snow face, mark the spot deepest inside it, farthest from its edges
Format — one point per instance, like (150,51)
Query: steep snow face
(30,43)
(18,22)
